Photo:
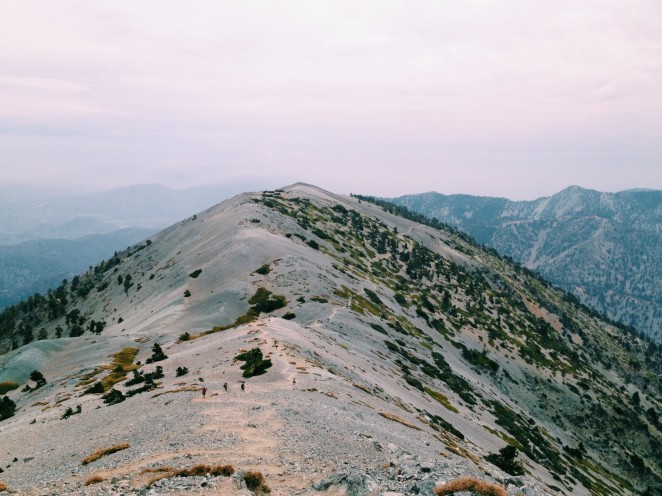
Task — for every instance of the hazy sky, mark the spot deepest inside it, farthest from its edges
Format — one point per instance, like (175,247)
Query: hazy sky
(514,98)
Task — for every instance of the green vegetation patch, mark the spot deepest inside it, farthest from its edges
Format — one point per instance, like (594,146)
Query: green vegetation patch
(441,399)
(263,301)
(264,270)
(121,365)
(195,273)
(255,362)
(480,360)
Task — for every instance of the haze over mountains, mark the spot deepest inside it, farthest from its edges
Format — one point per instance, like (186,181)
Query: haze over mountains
(50,235)
(606,248)
(417,354)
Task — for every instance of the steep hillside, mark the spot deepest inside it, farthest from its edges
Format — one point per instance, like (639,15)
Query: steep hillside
(605,248)
(388,356)
(35,266)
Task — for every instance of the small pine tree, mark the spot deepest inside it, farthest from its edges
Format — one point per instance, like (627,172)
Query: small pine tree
(157,354)
(38,377)
(7,408)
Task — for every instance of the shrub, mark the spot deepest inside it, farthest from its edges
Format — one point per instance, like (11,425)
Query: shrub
(373,296)
(289,315)
(255,364)
(471,484)
(264,301)
(264,270)
(313,244)
(195,273)
(255,482)
(187,293)
(95,389)
(7,408)
(196,470)
(113,397)
(181,371)
(185,337)
(506,460)
(105,451)
(157,354)
(5,387)
(93,479)
(69,412)
(3,486)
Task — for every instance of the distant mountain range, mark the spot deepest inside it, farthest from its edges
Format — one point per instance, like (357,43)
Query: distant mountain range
(33,213)
(41,264)
(606,248)
(47,236)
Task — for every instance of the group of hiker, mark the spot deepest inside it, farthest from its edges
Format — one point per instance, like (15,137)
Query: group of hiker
(243,387)
(225,386)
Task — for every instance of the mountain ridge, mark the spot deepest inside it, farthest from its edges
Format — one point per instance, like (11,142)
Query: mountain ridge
(415,352)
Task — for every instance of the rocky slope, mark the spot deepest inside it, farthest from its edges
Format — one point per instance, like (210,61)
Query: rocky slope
(605,248)
(401,357)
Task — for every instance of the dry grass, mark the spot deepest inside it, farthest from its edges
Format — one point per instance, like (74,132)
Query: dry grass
(180,390)
(196,470)
(7,386)
(399,420)
(255,482)
(105,451)
(122,364)
(471,484)
(93,479)
(3,486)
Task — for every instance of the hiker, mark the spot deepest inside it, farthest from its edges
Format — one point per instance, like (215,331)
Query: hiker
(225,386)
(294,381)
(204,392)
(242,386)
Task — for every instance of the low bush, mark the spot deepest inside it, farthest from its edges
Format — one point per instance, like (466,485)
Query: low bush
(3,486)
(289,315)
(113,397)
(470,484)
(70,411)
(255,363)
(506,460)
(195,273)
(105,451)
(157,354)
(264,301)
(264,270)
(181,371)
(94,389)
(197,470)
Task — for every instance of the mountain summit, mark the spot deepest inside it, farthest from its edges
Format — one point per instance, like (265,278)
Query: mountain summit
(302,342)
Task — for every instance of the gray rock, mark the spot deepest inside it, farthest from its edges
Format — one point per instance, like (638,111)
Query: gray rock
(360,484)
(333,480)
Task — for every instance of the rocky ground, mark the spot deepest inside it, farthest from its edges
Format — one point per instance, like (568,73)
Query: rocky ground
(321,435)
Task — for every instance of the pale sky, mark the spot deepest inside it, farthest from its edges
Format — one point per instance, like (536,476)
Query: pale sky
(513,98)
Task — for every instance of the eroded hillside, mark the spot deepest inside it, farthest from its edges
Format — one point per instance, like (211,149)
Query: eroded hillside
(399,356)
